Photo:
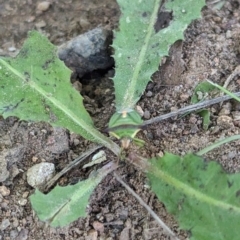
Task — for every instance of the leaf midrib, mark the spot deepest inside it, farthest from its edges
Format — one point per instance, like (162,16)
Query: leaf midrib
(128,98)
(188,190)
(90,129)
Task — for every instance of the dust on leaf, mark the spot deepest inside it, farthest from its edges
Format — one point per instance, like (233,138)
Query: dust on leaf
(203,198)
(35,86)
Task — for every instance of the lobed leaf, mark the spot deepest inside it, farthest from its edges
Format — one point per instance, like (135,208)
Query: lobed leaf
(35,86)
(64,205)
(204,199)
(142,41)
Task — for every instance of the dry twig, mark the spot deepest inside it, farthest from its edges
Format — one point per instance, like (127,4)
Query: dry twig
(154,215)
(188,109)
(71,165)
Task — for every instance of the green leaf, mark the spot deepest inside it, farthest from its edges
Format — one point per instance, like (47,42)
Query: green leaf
(64,205)
(204,199)
(35,86)
(139,48)
(202,89)
(223,89)
(205,114)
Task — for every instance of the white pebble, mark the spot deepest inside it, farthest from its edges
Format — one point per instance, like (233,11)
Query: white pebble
(40,173)
(43,6)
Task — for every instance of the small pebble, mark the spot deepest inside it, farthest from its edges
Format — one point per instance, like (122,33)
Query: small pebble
(149,135)
(12,49)
(173,109)
(4,206)
(109,217)
(4,191)
(76,142)
(5,223)
(14,171)
(139,110)
(43,6)
(23,234)
(15,222)
(4,173)
(34,159)
(78,86)
(124,234)
(224,111)
(228,34)
(184,97)
(22,201)
(149,94)
(40,173)
(13,234)
(92,234)
(225,122)
(146,114)
(30,19)
(160,154)
(98,226)
(232,154)
(193,120)
(123,215)
(84,23)
(236,115)
(41,24)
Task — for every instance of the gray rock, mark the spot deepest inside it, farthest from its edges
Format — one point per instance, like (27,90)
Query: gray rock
(87,52)
(23,234)
(4,224)
(147,114)
(4,173)
(58,141)
(40,173)
(13,234)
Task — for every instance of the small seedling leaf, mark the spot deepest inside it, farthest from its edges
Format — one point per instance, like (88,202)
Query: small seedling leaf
(205,114)
(64,205)
(144,37)
(203,89)
(35,86)
(200,92)
(204,199)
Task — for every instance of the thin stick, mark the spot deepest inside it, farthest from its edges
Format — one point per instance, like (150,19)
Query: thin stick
(217,144)
(71,165)
(154,215)
(232,76)
(188,109)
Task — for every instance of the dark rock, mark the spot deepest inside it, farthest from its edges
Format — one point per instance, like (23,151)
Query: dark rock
(87,52)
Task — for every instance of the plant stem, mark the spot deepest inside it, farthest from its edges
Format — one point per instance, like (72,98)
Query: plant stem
(154,215)
(224,90)
(190,108)
(217,144)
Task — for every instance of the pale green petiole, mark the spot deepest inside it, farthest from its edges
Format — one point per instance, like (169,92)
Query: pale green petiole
(124,126)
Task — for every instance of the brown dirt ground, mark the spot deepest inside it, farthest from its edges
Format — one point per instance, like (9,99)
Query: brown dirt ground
(211,51)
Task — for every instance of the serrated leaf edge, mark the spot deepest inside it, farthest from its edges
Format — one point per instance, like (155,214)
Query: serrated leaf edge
(186,189)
